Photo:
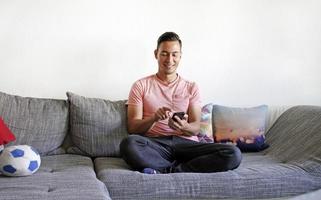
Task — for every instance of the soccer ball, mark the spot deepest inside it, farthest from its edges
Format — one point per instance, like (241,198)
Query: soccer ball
(20,160)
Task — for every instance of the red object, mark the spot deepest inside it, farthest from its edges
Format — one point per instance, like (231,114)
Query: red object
(6,135)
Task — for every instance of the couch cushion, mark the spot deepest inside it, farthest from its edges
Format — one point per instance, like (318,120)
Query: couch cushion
(59,177)
(97,126)
(257,177)
(40,123)
(296,136)
(274,112)
(244,127)
(314,195)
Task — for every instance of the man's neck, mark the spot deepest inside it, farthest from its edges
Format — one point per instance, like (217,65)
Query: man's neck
(167,78)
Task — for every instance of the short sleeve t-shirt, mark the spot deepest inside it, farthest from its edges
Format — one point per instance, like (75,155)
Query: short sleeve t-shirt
(152,93)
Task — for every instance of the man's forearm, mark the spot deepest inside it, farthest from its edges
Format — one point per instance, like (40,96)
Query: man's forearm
(141,126)
(193,128)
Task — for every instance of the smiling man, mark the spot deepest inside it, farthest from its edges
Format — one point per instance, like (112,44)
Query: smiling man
(161,142)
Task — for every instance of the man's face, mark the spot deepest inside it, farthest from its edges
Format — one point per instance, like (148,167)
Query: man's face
(168,56)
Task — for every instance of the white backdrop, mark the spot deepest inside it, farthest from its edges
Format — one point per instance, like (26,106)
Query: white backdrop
(240,52)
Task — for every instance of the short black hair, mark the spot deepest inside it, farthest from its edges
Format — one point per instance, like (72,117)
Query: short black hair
(169,36)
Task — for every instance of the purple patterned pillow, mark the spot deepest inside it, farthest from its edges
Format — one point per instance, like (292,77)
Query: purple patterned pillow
(206,130)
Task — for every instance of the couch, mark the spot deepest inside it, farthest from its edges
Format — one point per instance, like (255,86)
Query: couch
(78,140)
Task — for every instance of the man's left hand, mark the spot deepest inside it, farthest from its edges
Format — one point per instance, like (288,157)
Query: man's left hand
(180,124)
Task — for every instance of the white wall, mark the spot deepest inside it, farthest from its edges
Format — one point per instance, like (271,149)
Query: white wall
(241,52)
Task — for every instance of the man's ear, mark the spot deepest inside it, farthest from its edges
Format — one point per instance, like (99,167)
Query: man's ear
(155,53)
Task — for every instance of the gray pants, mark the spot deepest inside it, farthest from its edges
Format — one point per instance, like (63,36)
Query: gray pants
(175,154)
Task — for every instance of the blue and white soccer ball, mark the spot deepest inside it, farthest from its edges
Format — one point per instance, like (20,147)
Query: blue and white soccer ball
(20,160)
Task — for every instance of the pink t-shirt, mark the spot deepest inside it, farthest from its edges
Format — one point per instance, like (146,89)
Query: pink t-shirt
(152,93)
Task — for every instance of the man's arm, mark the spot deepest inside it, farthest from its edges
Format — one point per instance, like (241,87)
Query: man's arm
(190,124)
(139,125)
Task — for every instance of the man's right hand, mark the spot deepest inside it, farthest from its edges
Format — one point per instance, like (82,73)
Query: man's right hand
(162,113)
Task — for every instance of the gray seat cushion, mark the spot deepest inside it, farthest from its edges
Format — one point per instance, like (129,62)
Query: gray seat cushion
(41,123)
(314,195)
(60,177)
(259,176)
(97,126)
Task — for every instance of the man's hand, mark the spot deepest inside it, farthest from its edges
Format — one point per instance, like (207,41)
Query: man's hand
(139,125)
(180,125)
(162,113)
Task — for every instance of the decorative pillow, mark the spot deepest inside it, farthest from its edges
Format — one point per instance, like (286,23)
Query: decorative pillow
(97,126)
(6,135)
(41,123)
(244,127)
(206,130)
(20,160)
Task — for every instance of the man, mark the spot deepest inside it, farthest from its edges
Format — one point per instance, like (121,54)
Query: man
(159,142)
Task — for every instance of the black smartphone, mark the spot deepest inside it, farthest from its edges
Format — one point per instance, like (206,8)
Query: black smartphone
(179,114)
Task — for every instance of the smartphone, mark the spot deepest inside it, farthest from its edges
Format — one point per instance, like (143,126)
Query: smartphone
(179,114)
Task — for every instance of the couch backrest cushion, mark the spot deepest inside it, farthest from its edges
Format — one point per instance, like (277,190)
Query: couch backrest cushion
(97,126)
(40,123)
(274,112)
(296,135)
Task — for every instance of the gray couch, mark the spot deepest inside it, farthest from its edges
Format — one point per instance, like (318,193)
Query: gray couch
(78,140)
